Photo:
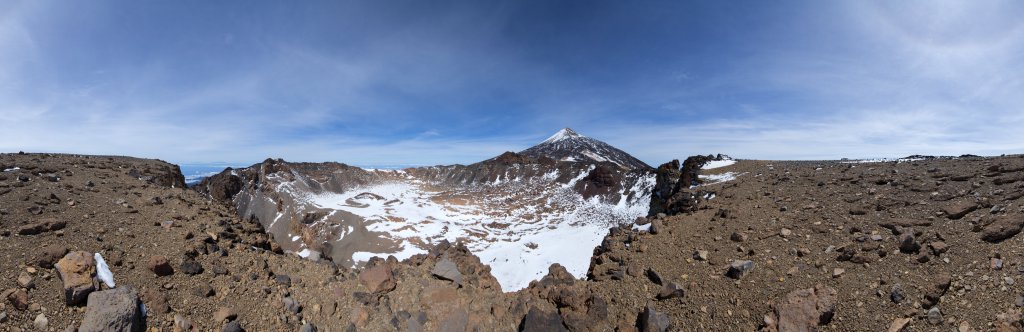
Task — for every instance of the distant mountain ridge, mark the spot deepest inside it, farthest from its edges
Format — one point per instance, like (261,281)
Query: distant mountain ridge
(567,145)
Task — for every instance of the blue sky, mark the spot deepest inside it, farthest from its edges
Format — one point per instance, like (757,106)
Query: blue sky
(439,82)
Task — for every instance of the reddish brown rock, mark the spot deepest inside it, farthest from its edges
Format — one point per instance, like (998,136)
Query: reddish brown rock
(160,265)
(359,317)
(378,278)
(958,210)
(18,298)
(77,271)
(803,310)
(155,301)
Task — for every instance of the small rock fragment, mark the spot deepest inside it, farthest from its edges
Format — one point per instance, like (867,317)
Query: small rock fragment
(160,265)
(896,295)
(291,305)
(908,243)
(739,268)
(898,324)
(25,281)
(653,321)
(934,316)
(18,298)
(191,267)
(40,323)
(671,290)
(447,270)
(224,314)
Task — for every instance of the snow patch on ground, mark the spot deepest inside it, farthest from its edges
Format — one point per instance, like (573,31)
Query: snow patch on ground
(718,163)
(304,253)
(12,169)
(719,178)
(880,160)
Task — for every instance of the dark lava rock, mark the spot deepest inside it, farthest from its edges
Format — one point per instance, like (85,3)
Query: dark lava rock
(283,279)
(896,295)
(233,326)
(651,320)
(670,291)
(654,276)
(739,268)
(908,243)
(541,321)
(191,267)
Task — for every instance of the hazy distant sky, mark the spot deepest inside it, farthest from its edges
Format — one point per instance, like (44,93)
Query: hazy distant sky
(427,82)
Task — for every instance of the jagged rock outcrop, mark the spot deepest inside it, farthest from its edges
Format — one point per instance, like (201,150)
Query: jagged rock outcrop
(673,193)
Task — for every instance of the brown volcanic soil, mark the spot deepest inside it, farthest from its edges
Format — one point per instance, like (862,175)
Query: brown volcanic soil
(826,207)
(801,221)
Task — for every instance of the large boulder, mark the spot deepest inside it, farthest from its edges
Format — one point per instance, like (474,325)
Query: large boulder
(221,187)
(113,310)
(803,310)
(77,272)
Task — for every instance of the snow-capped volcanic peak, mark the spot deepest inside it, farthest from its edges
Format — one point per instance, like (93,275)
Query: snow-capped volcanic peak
(561,135)
(567,145)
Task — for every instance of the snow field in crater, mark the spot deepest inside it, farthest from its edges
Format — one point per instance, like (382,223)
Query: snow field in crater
(519,240)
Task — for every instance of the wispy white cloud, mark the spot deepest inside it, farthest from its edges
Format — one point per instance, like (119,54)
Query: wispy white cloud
(850,79)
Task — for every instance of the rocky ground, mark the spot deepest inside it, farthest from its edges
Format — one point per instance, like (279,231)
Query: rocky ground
(912,246)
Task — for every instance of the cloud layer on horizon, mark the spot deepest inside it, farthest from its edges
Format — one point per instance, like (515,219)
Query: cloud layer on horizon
(458,82)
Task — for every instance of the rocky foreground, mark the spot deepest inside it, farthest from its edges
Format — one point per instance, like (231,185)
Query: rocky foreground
(785,246)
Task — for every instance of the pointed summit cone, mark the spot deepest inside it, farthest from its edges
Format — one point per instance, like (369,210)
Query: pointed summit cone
(568,145)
